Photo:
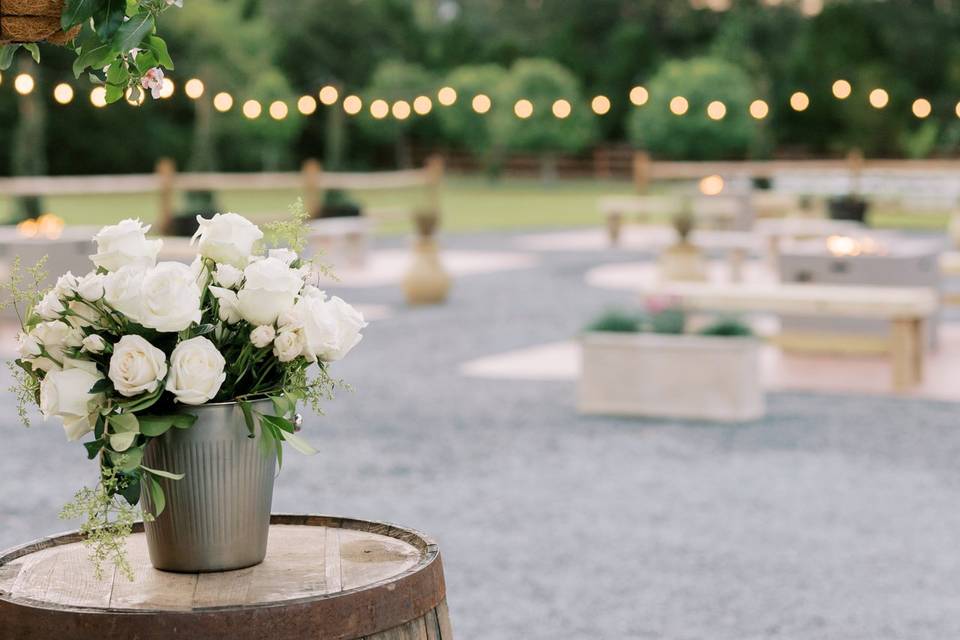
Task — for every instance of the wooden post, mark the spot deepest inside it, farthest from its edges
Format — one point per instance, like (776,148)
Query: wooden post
(166,170)
(907,353)
(435,171)
(855,164)
(641,171)
(312,173)
(601,163)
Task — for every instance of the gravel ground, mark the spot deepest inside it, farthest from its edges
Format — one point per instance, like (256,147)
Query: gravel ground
(833,518)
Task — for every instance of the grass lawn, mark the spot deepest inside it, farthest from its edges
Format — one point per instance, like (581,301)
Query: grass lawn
(469,204)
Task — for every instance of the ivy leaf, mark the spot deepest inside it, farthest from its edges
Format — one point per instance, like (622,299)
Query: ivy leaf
(158,47)
(33,49)
(75,12)
(163,474)
(6,55)
(108,17)
(132,32)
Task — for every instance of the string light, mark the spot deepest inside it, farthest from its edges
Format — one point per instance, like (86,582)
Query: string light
(166,89)
(1,78)
(278,110)
(194,88)
(401,110)
(63,93)
(352,105)
(98,97)
(711,185)
(306,105)
(759,109)
(379,109)
(841,89)
(422,105)
(600,105)
(561,108)
(481,103)
(223,102)
(523,108)
(799,101)
(252,109)
(135,102)
(329,95)
(921,107)
(716,110)
(956,109)
(879,98)
(24,84)
(639,96)
(679,105)
(447,96)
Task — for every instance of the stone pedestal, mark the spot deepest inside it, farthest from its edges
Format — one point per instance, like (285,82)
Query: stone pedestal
(427,282)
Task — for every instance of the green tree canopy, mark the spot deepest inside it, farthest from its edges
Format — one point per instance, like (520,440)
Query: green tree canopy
(461,124)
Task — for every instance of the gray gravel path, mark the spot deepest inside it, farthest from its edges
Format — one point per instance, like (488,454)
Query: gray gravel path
(834,518)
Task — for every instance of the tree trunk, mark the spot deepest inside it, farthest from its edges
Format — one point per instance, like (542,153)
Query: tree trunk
(29,153)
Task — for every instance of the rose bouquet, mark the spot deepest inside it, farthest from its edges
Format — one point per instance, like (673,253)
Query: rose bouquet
(122,353)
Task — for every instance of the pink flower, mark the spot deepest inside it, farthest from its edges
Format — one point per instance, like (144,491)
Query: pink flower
(659,304)
(153,80)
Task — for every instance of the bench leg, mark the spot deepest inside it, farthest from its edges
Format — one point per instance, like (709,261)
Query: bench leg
(907,353)
(614,224)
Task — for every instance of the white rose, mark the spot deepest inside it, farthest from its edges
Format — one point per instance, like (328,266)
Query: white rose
(136,366)
(227,275)
(270,288)
(228,238)
(94,343)
(123,290)
(289,344)
(50,307)
(262,336)
(196,371)
(66,394)
(66,285)
(81,315)
(170,298)
(56,338)
(228,303)
(331,327)
(125,244)
(27,346)
(90,286)
(286,256)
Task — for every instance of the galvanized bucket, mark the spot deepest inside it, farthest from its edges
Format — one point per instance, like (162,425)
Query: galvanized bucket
(218,516)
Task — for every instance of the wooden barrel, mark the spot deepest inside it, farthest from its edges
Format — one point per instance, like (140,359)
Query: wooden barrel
(324,577)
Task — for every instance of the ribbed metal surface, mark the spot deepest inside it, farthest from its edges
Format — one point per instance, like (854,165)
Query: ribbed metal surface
(218,516)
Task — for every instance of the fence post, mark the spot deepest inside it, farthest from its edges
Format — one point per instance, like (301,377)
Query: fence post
(601,163)
(641,171)
(855,164)
(311,172)
(165,171)
(435,170)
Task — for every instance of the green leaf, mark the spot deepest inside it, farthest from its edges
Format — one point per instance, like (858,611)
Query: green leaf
(248,418)
(102,385)
(158,501)
(6,55)
(280,423)
(300,444)
(163,474)
(98,429)
(75,12)
(143,402)
(144,62)
(158,47)
(93,448)
(96,57)
(184,420)
(155,426)
(120,442)
(132,32)
(108,17)
(34,50)
(124,423)
(126,460)
(283,405)
(131,489)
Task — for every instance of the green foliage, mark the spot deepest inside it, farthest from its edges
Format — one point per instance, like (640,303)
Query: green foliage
(542,82)
(616,321)
(671,321)
(391,81)
(731,327)
(694,136)
(461,124)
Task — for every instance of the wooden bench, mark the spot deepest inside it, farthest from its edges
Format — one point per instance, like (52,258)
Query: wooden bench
(907,309)
(715,212)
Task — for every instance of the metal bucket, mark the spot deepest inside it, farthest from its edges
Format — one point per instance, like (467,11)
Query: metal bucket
(218,516)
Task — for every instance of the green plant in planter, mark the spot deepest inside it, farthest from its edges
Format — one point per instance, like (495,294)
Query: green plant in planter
(727,327)
(117,45)
(616,321)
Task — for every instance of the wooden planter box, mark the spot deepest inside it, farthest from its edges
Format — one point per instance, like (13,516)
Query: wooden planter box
(674,376)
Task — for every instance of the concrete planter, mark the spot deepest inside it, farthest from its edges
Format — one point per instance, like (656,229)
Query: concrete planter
(675,376)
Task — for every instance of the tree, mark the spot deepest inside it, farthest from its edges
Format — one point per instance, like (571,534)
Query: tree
(693,135)
(461,124)
(542,82)
(29,152)
(395,81)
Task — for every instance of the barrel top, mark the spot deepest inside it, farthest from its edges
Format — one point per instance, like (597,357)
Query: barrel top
(310,559)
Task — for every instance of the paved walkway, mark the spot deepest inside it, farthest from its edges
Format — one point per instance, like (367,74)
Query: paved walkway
(835,518)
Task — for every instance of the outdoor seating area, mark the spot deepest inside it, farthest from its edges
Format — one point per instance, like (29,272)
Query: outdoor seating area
(367,319)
